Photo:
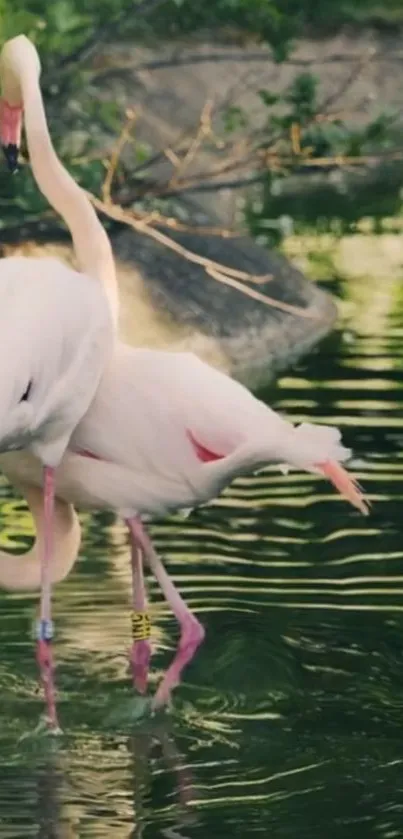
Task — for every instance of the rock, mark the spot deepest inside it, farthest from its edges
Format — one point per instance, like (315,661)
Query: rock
(247,338)
(171,303)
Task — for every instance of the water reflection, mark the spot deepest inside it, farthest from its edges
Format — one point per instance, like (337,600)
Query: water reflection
(289,721)
(91,786)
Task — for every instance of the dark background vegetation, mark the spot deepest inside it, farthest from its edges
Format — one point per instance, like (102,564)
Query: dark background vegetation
(69,32)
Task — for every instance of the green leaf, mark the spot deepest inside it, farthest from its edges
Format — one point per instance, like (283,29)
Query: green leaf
(234,118)
(302,95)
(268,98)
(142,152)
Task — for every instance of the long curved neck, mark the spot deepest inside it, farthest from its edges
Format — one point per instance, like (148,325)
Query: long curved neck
(23,572)
(91,243)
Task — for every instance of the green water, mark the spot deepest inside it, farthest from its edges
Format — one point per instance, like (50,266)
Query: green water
(290,720)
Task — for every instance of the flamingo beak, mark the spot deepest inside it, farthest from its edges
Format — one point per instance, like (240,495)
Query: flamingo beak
(10,133)
(11,154)
(346,485)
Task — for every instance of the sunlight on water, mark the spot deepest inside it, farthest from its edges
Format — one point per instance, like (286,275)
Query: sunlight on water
(289,720)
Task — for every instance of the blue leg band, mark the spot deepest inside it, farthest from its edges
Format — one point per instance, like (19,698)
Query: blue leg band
(44,630)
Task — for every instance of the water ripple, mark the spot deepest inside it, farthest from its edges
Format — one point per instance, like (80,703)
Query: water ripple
(289,720)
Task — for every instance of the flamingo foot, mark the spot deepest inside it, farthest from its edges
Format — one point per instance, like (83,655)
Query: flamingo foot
(140,655)
(44,657)
(192,635)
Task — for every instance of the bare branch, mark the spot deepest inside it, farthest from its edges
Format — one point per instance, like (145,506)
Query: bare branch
(352,77)
(203,131)
(131,117)
(221,273)
(208,186)
(243,57)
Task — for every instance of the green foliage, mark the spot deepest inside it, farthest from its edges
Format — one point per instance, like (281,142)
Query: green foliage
(275,21)
(268,98)
(61,27)
(302,97)
(337,204)
(234,118)
(321,134)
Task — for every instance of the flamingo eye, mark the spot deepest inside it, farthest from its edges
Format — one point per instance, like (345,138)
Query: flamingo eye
(27,391)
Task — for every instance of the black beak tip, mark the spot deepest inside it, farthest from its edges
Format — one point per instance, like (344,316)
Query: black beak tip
(11,154)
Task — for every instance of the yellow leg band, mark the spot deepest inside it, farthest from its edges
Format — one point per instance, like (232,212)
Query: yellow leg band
(141,626)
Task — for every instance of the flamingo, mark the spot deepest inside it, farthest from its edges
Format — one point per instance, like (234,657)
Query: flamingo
(165,431)
(67,538)
(57,325)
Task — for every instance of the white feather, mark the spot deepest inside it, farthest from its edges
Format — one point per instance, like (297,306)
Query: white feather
(138,426)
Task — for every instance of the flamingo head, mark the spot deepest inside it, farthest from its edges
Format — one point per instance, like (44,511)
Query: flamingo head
(318,449)
(19,62)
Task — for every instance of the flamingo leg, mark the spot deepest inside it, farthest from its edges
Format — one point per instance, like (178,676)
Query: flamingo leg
(44,652)
(192,632)
(140,652)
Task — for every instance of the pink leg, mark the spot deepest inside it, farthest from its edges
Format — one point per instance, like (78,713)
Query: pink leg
(44,653)
(192,632)
(140,652)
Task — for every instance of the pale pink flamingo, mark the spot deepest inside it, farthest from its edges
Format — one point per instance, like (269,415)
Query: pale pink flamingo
(57,326)
(166,431)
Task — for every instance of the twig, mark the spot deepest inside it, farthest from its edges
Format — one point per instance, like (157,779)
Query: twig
(222,273)
(342,160)
(203,131)
(172,154)
(351,78)
(210,186)
(173,158)
(116,153)
(296,138)
(232,165)
(256,295)
(143,226)
(154,217)
(243,57)
(214,186)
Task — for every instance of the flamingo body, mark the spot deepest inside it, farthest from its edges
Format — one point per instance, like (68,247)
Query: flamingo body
(52,353)
(166,431)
